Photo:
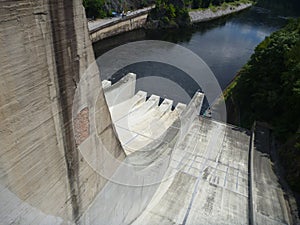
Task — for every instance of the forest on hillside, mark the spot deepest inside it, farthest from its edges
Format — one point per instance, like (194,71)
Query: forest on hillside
(268,90)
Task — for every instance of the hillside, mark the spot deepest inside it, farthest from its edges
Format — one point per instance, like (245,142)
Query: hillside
(268,89)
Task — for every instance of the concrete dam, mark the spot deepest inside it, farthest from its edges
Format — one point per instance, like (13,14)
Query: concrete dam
(70,157)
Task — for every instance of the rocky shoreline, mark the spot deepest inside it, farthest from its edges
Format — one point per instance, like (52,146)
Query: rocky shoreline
(208,14)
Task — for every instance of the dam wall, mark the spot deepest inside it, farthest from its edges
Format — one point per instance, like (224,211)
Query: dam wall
(45,50)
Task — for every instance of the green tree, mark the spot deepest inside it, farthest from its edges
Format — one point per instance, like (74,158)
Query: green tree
(170,13)
(268,89)
(196,4)
(95,8)
(205,3)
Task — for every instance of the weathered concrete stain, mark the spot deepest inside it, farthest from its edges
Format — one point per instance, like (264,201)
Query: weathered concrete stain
(64,41)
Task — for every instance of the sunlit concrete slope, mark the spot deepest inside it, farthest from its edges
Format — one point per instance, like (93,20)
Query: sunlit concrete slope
(210,182)
(205,178)
(45,49)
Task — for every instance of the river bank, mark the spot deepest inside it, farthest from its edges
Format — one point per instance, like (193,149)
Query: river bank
(104,28)
(271,96)
(208,14)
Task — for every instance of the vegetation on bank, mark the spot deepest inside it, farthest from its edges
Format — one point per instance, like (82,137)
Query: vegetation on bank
(215,5)
(96,9)
(166,14)
(291,7)
(169,14)
(268,89)
(175,13)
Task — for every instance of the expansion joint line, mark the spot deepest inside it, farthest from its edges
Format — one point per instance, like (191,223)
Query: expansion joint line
(199,177)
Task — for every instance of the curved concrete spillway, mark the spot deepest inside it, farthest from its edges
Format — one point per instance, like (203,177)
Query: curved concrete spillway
(203,181)
(150,151)
(206,180)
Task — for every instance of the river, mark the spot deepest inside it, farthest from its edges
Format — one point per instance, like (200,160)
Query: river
(225,45)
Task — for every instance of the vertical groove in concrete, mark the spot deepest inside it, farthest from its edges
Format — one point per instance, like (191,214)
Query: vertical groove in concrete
(63,30)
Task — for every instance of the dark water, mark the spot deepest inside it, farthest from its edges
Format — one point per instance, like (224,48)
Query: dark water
(225,45)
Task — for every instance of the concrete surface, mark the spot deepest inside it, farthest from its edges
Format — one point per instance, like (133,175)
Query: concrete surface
(205,180)
(121,91)
(134,183)
(210,185)
(45,49)
(270,206)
